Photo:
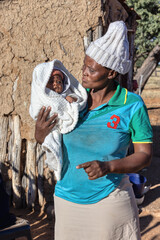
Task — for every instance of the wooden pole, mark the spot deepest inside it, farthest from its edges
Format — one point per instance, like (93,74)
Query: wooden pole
(31,174)
(98,32)
(16,153)
(40,156)
(87,39)
(3,140)
(11,140)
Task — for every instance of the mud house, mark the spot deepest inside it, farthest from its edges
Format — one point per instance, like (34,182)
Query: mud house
(32,32)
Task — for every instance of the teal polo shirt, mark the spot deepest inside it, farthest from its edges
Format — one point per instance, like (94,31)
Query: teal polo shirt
(101,134)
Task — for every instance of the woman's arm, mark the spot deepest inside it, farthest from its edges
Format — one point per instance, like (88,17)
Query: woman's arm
(132,163)
(44,124)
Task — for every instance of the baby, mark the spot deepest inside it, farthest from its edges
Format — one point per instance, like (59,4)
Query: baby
(57,83)
(54,86)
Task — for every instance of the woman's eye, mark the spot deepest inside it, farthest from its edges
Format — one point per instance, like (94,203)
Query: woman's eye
(91,70)
(87,68)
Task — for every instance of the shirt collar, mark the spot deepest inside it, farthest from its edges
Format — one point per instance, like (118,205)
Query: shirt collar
(120,96)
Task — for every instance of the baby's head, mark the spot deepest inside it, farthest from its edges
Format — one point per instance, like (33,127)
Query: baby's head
(55,82)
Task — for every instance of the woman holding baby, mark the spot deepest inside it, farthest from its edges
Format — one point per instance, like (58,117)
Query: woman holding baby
(94,198)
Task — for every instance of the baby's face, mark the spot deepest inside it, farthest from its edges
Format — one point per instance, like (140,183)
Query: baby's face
(55,83)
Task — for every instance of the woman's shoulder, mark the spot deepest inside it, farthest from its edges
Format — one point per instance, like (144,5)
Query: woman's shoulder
(134,98)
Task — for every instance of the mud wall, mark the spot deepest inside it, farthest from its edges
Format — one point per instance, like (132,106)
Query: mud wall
(38,31)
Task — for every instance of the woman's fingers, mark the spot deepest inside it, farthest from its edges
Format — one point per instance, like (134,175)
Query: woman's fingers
(41,112)
(46,114)
(52,124)
(52,119)
(93,177)
(94,169)
(44,124)
(43,116)
(84,165)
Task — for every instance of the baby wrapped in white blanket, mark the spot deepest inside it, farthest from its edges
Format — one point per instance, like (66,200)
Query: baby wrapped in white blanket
(44,94)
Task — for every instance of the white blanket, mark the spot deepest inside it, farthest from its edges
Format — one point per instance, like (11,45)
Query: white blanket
(67,112)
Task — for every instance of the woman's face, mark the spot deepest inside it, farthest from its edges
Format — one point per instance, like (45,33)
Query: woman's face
(94,75)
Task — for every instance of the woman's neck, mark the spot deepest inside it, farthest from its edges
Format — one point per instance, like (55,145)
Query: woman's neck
(101,96)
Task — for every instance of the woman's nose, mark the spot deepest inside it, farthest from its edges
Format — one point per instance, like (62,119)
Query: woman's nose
(84,70)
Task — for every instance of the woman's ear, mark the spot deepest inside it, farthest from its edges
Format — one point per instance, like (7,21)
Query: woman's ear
(112,74)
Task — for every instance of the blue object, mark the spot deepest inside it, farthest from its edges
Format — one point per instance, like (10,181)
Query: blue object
(138,182)
(20,228)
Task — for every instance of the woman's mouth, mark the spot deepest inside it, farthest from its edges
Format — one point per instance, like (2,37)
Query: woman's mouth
(84,80)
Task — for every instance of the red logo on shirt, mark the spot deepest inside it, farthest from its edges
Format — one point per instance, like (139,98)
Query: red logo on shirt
(114,123)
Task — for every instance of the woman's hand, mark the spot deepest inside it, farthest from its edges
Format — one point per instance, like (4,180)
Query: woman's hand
(44,124)
(95,169)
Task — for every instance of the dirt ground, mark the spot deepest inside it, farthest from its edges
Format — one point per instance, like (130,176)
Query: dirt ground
(43,229)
